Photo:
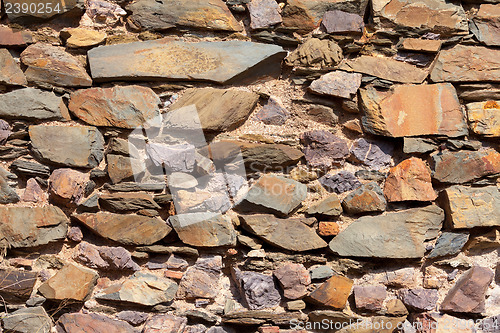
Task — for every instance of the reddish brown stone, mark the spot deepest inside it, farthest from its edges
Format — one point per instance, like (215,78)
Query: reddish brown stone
(328,228)
(365,199)
(9,37)
(165,323)
(10,72)
(333,293)
(370,297)
(323,149)
(33,192)
(410,180)
(173,274)
(421,45)
(294,279)
(486,24)
(67,186)
(419,299)
(93,322)
(200,280)
(71,282)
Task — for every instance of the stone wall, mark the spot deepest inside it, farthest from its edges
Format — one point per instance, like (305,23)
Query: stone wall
(249,166)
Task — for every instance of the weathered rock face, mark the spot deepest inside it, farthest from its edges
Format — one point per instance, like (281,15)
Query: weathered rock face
(370,298)
(449,243)
(259,291)
(468,293)
(419,299)
(400,112)
(122,168)
(385,68)
(467,63)
(376,155)
(291,234)
(10,73)
(124,228)
(315,52)
(273,112)
(17,285)
(410,180)
(71,282)
(141,288)
(164,59)
(84,38)
(7,193)
(11,37)
(31,226)
(52,65)
(124,107)
(484,118)
(323,149)
(485,24)
(437,16)
(330,206)
(337,21)
(337,84)
(79,323)
(421,45)
(204,229)
(201,280)
(67,186)
(104,257)
(469,207)
(332,293)
(464,166)
(263,13)
(392,235)
(204,14)
(165,323)
(218,109)
(76,146)
(339,183)
(33,104)
(127,201)
(294,279)
(365,199)
(28,320)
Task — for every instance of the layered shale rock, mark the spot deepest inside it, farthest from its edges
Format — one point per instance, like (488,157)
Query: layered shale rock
(333,293)
(81,283)
(484,118)
(485,24)
(10,73)
(33,104)
(79,322)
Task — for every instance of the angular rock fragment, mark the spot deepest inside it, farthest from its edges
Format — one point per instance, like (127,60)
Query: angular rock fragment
(330,206)
(165,323)
(419,299)
(370,298)
(204,229)
(484,118)
(294,279)
(124,107)
(52,65)
(263,13)
(86,323)
(67,186)
(328,229)
(421,45)
(449,243)
(10,37)
(4,132)
(122,168)
(126,229)
(332,293)
(467,63)
(259,291)
(127,201)
(141,288)
(400,112)
(419,145)
(75,146)
(7,193)
(27,168)
(273,112)
(376,155)
(28,320)
(410,180)
(469,207)
(324,150)
(201,280)
(337,84)
(468,293)
(16,286)
(10,72)
(104,257)
(367,198)
(485,24)
(33,104)
(200,14)
(31,226)
(337,21)
(464,166)
(391,235)
(164,59)
(339,183)
(290,234)
(71,282)
(315,52)
(80,37)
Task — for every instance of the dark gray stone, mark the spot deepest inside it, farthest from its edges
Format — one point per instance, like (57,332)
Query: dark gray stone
(419,145)
(339,183)
(259,291)
(324,150)
(28,320)
(449,243)
(7,193)
(376,155)
(419,299)
(30,169)
(33,104)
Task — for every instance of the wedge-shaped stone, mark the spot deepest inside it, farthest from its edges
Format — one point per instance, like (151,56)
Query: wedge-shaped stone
(469,207)
(484,118)
(70,282)
(391,235)
(467,63)
(385,68)
(486,24)
(435,15)
(164,59)
(127,201)
(12,37)
(204,229)
(141,288)
(201,14)
(10,72)
(80,323)
(289,234)
(126,229)
(16,286)
(333,293)
(124,107)
(26,320)
(411,110)
(33,104)
(31,226)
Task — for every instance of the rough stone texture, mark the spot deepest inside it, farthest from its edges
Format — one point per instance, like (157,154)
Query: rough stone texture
(71,282)
(263,13)
(67,186)
(76,146)
(290,234)
(385,68)
(370,298)
(337,84)
(31,226)
(323,149)
(93,322)
(410,180)
(400,112)
(10,37)
(201,280)
(336,21)
(7,193)
(127,201)
(468,293)
(274,194)
(484,118)
(124,107)
(485,24)
(273,112)
(141,288)
(449,243)
(259,291)
(79,37)
(469,207)
(467,63)
(419,299)
(122,168)
(165,323)
(419,145)
(376,155)
(10,73)
(421,45)
(294,280)
(315,52)
(104,257)
(464,166)
(16,285)
(124,228)
(330,206)
(339,183)
(218,109)
(33,104)
(201,14)
(332,293)
(52,65)
(367,198)
(204,229)
(27,320)
(164,59)
(391,235)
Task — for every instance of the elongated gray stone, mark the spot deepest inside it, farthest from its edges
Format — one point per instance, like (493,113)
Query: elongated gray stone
(164,59)
(392,235)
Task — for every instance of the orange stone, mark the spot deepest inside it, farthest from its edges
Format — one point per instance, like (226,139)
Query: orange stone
(173,274)
(333,293)
(328,229)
